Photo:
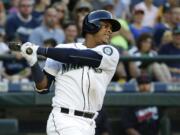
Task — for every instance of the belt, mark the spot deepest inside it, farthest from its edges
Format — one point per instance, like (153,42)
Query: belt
(78,113)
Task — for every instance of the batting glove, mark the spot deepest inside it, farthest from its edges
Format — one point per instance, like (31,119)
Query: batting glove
(31,58)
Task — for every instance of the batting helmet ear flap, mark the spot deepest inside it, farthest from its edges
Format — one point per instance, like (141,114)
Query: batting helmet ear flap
(89,27)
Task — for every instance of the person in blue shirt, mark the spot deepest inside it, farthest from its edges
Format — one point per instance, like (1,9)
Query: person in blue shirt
(48,29)
(136,26)
(173,49)
(22,23)
(39,8)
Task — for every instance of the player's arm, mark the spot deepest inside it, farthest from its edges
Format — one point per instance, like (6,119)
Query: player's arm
(104,56)
(73,56)
(42,79)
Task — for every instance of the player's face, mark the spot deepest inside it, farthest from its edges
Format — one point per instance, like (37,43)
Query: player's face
(103,36)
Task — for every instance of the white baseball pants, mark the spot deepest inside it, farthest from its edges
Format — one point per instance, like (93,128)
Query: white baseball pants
(66,124)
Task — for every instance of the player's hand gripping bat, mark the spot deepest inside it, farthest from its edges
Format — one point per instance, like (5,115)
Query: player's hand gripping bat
(16,46)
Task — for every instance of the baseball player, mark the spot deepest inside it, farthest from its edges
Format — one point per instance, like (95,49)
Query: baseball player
(81,73)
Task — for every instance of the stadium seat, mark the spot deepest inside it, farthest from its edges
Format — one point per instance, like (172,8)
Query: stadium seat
(8,126)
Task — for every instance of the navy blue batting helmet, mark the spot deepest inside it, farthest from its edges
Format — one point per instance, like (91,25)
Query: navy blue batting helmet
(91,23)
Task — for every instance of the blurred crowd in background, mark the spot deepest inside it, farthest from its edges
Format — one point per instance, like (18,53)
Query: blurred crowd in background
(149,28)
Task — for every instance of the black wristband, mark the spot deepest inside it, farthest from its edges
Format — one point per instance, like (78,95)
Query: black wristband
(37,73)
(42,51)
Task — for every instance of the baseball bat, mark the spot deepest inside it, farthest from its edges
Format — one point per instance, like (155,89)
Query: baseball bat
(16,46)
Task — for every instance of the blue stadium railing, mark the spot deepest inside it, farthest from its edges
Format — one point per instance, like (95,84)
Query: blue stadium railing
(127,87)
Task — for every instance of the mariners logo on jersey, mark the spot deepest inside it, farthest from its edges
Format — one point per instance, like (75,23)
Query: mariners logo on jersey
(69,67)
(108,51)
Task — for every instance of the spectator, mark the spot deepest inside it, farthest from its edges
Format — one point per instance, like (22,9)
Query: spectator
(125,70)
(96,4)
(39,8)
(48,29)
(166,38)
(141,120)
(2,15)
(159,71)
(122,9)
(175,16)
(63,14)
(123,38)
(173,48)
(131,68)
(162,26)
(50,42)
(159,3)
(3,47)
(71,4)
(134,2)
(102,123)
(71,32)
(21,23)
(13,6)
(119,8)
(16,70)
(120,74)
(136,26)
(47,43)
(173,3)
(81,9)
(170,18)
(109,6)
(150,11)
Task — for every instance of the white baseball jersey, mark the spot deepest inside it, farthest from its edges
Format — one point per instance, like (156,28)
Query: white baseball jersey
(82,87)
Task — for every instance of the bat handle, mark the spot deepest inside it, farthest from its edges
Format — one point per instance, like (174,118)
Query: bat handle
(29,51)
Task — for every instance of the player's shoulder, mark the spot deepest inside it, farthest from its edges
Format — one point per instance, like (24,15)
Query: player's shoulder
(64,45)
(71,45)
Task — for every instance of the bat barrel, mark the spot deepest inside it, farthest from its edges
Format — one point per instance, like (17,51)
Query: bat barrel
(16,46)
